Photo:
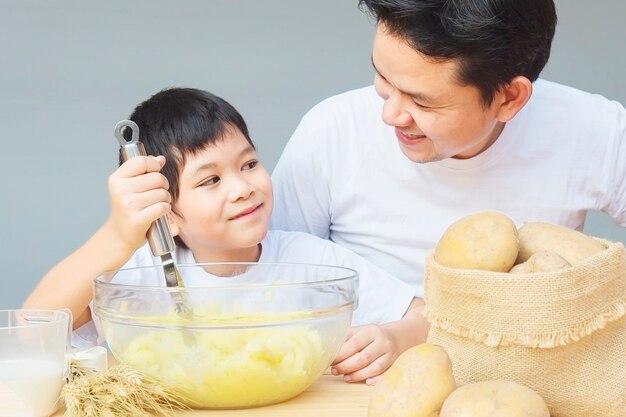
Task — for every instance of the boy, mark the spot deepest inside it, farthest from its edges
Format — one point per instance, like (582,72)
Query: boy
(218,200)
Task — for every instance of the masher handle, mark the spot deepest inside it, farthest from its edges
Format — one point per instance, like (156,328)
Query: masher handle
(159,235)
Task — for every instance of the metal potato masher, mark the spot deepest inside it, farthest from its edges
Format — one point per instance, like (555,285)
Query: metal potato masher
(159,235)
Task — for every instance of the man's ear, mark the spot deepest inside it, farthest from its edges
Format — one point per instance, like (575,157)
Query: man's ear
(512,97)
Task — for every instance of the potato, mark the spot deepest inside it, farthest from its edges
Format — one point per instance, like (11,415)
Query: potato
(571,244)
(486,240)
(542,261)
(494,399)
(416,385)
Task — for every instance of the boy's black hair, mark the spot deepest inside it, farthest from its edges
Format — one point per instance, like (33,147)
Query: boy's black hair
(492,40)
(177,122)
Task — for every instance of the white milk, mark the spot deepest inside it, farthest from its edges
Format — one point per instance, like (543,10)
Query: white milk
(29,388)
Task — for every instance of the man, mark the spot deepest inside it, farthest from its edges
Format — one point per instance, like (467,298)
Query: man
(466,126)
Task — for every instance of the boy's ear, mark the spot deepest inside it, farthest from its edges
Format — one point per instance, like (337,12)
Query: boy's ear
(512,97)
(172,219)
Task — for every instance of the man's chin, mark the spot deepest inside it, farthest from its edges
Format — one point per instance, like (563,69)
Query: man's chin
(418,157)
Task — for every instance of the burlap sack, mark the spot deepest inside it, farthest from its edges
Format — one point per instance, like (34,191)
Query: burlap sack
(562,334)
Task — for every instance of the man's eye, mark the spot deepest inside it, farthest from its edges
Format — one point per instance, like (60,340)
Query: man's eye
(211,181)
(421,106)
(250,164)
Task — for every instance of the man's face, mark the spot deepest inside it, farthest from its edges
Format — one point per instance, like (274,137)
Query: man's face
(434,116)
(225,201)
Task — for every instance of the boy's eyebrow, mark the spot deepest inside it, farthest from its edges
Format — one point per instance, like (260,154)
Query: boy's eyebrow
(420,97)
(211,165)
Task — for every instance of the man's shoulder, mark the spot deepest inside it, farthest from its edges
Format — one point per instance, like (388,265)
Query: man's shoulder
(346,101)
(367,92)
(550,90)
(348,115)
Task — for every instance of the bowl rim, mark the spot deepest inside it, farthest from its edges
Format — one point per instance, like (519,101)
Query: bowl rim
(351,275)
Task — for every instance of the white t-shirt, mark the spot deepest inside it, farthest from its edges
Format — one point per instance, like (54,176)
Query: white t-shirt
(382,297)
(343,177)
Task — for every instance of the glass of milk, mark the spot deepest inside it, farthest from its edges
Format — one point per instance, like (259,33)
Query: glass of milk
(33,364)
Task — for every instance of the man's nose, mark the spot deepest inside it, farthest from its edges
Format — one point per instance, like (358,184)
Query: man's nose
(394,111)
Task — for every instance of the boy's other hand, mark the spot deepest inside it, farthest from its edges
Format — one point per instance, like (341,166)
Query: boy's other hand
(139,195)
(367,352)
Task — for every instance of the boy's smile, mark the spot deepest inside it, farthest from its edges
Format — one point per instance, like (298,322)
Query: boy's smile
(247,212)
(225,201)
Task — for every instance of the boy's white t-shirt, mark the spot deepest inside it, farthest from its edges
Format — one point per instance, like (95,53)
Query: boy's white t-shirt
(382,297)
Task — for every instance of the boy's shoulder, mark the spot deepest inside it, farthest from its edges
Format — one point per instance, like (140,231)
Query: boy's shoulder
(290,237)
(140,262)
(294,246)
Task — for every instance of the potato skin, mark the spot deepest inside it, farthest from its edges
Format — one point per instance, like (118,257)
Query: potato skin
(494,399)
(486,240)
(571,244)
(542,261)
(416,385)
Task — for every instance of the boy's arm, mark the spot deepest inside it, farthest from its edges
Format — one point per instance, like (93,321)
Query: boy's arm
(138,195)
(69,283)
(370,350)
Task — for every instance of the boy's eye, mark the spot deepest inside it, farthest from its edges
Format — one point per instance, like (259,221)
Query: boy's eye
(211,180)
(250,164)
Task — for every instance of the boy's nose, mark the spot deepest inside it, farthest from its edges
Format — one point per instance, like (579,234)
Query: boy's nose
(240,189)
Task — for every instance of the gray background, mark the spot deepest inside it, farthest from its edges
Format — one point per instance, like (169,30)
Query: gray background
(70,70)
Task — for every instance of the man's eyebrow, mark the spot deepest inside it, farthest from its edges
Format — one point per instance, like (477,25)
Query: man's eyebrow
(419,97)
(376,69)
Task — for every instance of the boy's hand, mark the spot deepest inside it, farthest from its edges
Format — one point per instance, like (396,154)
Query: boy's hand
(370,350)
(139,195)
(367,352)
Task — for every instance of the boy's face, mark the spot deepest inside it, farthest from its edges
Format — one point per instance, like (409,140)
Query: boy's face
(225,201)
(434,116)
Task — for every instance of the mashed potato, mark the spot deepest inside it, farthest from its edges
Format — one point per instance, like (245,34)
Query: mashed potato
(227,368)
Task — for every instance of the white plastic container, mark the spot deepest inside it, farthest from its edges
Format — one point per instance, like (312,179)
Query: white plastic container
(33,364)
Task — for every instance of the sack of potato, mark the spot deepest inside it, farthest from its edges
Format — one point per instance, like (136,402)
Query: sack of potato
(544,306)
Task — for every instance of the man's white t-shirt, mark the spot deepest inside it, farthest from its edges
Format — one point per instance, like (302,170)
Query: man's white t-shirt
(343,176)
(382,298)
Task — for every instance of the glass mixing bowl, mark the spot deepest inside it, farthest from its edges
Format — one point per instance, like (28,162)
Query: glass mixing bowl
(250,334)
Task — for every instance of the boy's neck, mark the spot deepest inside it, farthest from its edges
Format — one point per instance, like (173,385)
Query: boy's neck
(251,254)
(245,255)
